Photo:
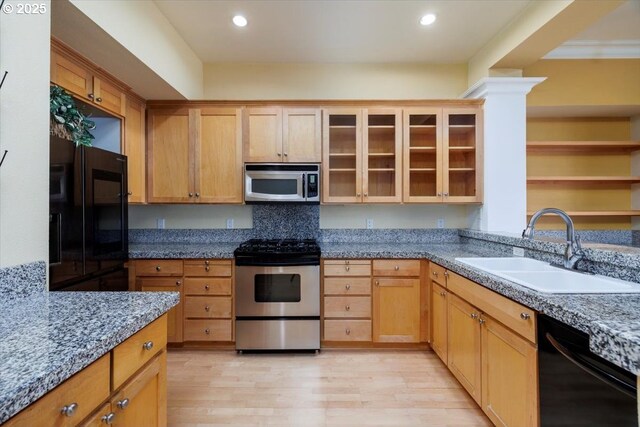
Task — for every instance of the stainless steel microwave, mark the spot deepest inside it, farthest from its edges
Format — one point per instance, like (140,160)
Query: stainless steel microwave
(281,183)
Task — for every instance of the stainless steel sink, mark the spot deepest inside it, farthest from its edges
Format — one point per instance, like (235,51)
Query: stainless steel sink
(544,277)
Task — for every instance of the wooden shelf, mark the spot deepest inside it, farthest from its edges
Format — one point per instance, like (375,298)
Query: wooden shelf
(584,179)
(417,149)
(381,170)
(342,170)
(462,126)
(381,155)
(466,148)
(342,154)
(599,213)
(462,169)
(381,127)
(422,169)
(422,126)
(342,126)
(606,146)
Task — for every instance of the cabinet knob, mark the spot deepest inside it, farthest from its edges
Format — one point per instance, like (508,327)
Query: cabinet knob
(347,286)
(377,283)
(90,96)
(129,193)
(207,331)
(177,282)
(108,419)
(157,268)
(446,274)
(190,194)
(148,345)
(481,320)
(347,307)
(439,194)
(445,194)
(286,154)
(435,274)
(197,195)
(397,267)
(366,194)
(207,308)
(206,262)
(347,268)
(347,331)
(525,316)
(69,410)
(357,194)
(207,268)
(474,315)
(443,294)
(206,287)
(123,403)
(98,99)
(279,154)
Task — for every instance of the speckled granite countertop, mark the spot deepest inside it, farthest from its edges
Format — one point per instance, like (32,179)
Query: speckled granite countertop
(219,250)
(47,337)
(611,320)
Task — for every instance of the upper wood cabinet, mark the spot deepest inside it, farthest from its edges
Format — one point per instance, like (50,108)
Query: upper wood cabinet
(362,155)
(134,149)
(194,155)
(442,155)
(84,82)
(276,134)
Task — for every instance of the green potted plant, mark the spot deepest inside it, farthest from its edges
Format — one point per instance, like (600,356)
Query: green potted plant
(72,124)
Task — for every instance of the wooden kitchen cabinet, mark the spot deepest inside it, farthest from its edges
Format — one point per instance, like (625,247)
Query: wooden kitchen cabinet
(362,155)
(439,321)
(442,155)
(396,301)
(194,155)
(134,149)
(276,134)
(174,316)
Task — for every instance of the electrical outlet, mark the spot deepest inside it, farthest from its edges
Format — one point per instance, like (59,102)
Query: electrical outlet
(229,223)
(160,223)
(369,223)
(518,251)
(440,223)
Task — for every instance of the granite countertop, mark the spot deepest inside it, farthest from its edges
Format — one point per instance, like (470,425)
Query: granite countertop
(47,337)
(219,250)
(611,320)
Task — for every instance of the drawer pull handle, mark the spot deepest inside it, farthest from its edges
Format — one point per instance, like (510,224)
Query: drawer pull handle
(474,315)
(347,307)
(397,267)
(347,286)
(69,410)
(108,419)
(207,331)
(123,403)
(157,268)
(525,316)
(347,268)
(177,282)
(206,287)
(206,262)
(148,345)
(446,274)
(206,268)
(207,308)
(435,273)
(347,331)
(346,262)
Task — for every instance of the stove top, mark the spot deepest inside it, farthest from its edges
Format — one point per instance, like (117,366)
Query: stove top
(278,252)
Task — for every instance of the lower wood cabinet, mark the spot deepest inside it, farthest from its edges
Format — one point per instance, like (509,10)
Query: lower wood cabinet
(125,387)
(167,284)
(490,347)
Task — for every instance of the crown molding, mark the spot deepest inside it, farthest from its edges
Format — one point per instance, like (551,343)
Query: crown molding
(596,49)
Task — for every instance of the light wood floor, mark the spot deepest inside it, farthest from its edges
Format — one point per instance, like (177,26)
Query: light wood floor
(333,388)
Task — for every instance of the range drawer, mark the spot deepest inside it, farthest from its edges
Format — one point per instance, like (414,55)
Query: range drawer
(437,274)
(207,330)
(138,349)
(207,286)
(513,315)
(153,267)
(347,307)
(208,268)
(347,268)
(86,390)
(347,286)
(347,330)
(396,267)
(213,307)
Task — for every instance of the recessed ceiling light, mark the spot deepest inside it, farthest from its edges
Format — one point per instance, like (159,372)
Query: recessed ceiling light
(240,21)
(428,19)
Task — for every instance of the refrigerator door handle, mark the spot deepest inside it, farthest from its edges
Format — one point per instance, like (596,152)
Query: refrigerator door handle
(55,224)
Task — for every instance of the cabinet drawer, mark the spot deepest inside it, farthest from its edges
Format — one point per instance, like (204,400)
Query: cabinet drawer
(161,283)
(396,267)
(347,269)
(436,274)
(513,315)
(86,389)
(213,307)
(159,268)
(347,286)
(207,286)
(209,268)
(347,330)
(347,307)
(132,354)
(207,330)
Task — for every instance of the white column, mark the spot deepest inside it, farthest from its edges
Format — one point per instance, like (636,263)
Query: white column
(505,152)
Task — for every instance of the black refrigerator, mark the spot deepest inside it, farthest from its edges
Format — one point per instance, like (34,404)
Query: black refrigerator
(88,218)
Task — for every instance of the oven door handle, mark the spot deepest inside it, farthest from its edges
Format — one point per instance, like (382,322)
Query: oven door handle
(583,363)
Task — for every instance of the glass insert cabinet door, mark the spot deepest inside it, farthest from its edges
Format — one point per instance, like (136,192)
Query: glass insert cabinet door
(462,142)
(382,143)
(342,155)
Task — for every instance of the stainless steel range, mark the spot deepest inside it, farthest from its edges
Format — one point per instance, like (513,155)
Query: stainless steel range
(278,295)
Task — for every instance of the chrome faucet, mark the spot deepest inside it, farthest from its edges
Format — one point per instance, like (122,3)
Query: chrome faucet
(573,252)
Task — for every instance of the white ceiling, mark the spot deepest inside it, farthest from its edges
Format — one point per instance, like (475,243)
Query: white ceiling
(328,31)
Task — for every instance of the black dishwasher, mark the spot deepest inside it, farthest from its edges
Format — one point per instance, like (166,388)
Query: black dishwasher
(577,387)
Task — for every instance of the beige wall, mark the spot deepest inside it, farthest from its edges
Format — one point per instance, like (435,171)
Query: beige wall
(190,216)
(24,132)
(140,27)
(333,81)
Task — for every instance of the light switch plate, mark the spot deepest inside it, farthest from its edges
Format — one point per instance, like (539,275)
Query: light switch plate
(440,223)
(229,223)
(518,251)
(160,223)
(369,223)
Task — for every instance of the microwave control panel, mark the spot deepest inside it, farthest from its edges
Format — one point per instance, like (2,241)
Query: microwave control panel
(312,185)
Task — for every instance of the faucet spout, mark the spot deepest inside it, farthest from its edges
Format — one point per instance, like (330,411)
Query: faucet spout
(573,251)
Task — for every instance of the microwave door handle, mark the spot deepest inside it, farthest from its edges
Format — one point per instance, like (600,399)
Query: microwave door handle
(304,186)
(584,364)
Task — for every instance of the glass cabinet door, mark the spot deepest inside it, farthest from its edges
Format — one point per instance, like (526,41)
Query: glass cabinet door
(382,159)
(342,156)
(462,139)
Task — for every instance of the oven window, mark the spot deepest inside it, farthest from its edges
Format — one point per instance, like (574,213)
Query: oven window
(277,287)
(274,186)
